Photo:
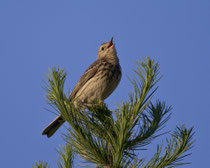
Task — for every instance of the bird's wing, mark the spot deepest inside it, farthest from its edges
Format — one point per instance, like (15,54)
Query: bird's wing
(89,73)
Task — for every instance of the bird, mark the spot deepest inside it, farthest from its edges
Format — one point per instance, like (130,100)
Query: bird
(96,84)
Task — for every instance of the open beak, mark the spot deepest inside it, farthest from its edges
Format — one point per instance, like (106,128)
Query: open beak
(110,43)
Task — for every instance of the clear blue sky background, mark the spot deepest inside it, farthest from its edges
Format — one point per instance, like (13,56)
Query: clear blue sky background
(36,35)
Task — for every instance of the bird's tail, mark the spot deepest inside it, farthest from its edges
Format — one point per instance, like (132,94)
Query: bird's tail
(53,126)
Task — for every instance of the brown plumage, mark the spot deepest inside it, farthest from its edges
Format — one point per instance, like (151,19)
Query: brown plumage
(97,83)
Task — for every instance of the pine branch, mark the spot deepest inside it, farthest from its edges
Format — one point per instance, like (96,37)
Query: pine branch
(150,123)
(54,87)
(41,164)
(125,140)
(66,157)
(180,142)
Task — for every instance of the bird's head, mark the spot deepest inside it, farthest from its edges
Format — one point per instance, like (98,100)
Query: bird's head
(107,50)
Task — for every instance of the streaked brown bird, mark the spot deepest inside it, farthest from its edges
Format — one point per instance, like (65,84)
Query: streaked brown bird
(96,84)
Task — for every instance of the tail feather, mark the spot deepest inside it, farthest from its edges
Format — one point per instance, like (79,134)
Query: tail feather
(53,126)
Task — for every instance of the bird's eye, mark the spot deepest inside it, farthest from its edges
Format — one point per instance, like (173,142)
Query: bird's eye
(102,48)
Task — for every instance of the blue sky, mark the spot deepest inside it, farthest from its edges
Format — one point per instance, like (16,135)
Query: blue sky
(36,35)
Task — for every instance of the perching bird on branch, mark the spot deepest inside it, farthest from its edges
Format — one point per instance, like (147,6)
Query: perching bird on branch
(96,84)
